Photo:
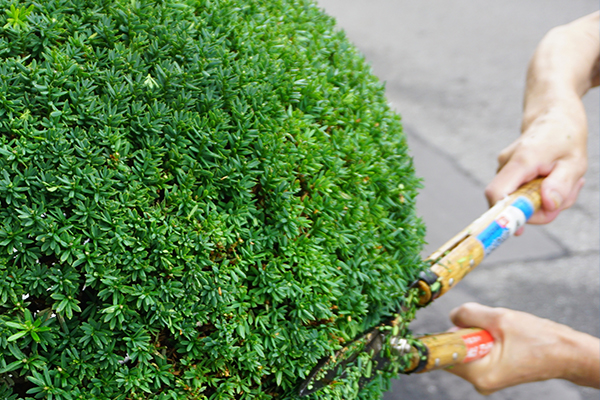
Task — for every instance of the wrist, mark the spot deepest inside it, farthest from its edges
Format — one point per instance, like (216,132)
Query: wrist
(561,103)
(579,358)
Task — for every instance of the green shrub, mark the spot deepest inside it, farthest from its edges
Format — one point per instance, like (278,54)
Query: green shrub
(198,199)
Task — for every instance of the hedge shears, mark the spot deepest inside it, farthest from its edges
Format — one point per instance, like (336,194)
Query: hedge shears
(448,265)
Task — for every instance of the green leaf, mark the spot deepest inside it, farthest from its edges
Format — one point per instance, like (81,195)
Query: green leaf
(28,315)
(16,352)
(369,369)
(35,336)
(17,335)
(15,325)
(11,367)
(37,379)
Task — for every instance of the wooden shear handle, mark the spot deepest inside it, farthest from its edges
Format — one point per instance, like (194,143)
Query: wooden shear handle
(461,254)
(443,350)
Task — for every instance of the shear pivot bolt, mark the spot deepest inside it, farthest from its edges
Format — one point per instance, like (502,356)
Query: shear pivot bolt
(401,345)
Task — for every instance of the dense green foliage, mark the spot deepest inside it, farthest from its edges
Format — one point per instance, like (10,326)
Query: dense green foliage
(198,199)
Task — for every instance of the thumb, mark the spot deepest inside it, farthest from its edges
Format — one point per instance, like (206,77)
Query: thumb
(475,315)
(559,191)
(561,187)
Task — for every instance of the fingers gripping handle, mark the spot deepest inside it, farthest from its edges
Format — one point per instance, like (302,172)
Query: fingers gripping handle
(443,350)
(460,255)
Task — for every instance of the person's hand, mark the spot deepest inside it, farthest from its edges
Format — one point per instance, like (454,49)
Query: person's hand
(554,129)
(526,349)
(553,145)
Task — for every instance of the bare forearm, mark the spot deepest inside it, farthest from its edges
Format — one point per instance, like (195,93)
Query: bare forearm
(564,67)
(583,361)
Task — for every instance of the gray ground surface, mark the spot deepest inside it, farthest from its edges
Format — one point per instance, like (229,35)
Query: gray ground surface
(454,70)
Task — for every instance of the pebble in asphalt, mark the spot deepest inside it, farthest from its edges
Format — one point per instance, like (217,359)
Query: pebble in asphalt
(454,70)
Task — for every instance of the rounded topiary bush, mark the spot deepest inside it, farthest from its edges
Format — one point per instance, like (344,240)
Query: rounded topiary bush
(198,199)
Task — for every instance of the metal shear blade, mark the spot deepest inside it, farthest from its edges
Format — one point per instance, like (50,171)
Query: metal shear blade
(332,368)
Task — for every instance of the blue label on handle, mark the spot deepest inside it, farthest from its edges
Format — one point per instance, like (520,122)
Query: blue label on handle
(525,205)
(506,223)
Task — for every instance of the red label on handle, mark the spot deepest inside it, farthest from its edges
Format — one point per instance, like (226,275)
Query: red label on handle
(478,344)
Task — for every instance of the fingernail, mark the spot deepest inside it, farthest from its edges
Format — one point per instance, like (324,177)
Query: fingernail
(556,199)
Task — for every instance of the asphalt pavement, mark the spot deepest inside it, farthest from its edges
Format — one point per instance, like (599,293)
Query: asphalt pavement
(455,71)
